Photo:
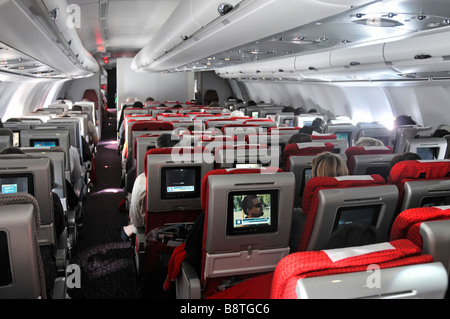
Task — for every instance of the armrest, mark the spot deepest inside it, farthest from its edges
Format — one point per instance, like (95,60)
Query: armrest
(188,284)
(59,288)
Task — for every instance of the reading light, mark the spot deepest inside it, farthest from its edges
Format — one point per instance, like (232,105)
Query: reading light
(224,8)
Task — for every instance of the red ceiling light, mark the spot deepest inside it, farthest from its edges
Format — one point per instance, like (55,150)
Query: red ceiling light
(105,59)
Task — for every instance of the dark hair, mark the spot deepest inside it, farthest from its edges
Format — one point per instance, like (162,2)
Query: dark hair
(165,140)
(354,235)
(306,129)
(408,156)
(251,103)
(300,138)
(404,120)
(312,111)
(287,109)
(138,104)
(77,107)
(11,150)
(247,203)
(300,110)
(318,124)
(149,99)
(440,133)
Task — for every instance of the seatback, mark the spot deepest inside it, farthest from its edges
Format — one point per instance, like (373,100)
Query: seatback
(301,167)
(401,271)
(372,164)
(173,184)
(304,149)
(428,148)
(240,130)
(380,133)
(54,137)
(285,119)
(33,175)
(428,228)
(421,183)
(246,155)
(342,131)
(329,202)
(353,151)
(233,245)
(22,272)
(143,144)
(58,157)
(6,138)
(305,119)
(403,133)
(264,123)
(340,145)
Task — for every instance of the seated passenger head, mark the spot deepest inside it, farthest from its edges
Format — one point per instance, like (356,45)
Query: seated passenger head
(368,141)
(327,164)
(149,99)
(317,125)
(165,140)
(287,109)
(306,129)
(299,138)
(440,133)
(408,156)
(77,108)
(214,104)
(403,120)
(11,150)
(138,104)
(251,103)
(352,235)
(312,111)
(251,206)
(299,110)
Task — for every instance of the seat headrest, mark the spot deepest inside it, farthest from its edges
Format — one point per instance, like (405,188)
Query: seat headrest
(407,223)
(318,263)
(417,169)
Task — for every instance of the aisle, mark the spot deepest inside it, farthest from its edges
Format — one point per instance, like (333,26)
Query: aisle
(106,262)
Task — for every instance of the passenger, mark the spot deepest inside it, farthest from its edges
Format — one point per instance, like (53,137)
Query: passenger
(327,164)
(287,109)
(312,110)
(299,110)
(237,114)
(317,125)
(306,129)
(149,99)
(251,103)
(408,156)
(93,136)
(440,133)
(137,210)
(401,120)
(368,141)
(58,210)
(299,138)
(352,235)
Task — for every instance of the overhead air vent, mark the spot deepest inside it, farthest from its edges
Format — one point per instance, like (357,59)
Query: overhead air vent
(422,56)
(378,22)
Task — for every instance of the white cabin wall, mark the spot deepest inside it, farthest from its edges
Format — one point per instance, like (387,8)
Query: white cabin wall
(211,81)
(75,89)
(162,87)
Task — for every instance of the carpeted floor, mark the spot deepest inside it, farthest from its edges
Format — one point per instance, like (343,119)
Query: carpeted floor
(106,261)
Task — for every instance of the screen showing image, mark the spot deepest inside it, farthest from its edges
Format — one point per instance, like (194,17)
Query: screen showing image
(428,153)
(252,212)
(343,136)
(180,182)
(271,116)
(255,114)
(17,183)
(289,122)
(363,215)
(307,123)
(44,142)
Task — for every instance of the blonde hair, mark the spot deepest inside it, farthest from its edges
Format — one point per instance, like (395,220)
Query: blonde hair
(327,164)
(368,141)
